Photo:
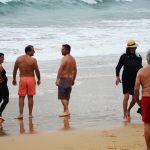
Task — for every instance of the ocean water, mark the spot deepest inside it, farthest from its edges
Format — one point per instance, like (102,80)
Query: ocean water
(91,27)
(96,102)
(98,31)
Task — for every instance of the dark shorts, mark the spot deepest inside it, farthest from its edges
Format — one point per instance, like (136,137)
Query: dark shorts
(145,106)
(64,88)
(128,86)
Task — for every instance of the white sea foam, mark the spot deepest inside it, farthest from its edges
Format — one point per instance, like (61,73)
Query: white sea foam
(5,1)
(101,38)
(90,1)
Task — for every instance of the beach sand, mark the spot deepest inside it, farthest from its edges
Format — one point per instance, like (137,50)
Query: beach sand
(129,137)
(96,112)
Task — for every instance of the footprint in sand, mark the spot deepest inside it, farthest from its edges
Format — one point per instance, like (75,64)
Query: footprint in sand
(107,134)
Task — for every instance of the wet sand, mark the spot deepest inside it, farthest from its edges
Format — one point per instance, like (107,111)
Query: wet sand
(129,137)
(96,112)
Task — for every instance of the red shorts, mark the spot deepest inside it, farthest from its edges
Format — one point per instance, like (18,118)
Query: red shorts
(145,106)
(27,86)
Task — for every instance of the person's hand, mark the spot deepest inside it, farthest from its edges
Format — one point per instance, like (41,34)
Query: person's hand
(118,80)
(14,82)
(57,82)
(38,82)
(140,101)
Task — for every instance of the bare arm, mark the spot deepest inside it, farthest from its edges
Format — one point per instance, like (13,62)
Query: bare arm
(137,88)
(14,82)
(37,72)
(75,73)
(62,65)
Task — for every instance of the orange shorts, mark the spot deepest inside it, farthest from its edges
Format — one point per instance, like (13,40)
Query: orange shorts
(27,86)
(145,106)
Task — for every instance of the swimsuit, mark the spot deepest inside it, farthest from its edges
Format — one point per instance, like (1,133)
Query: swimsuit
(131,64)
(27,86)
(64,88)
(4,92)
(145,106)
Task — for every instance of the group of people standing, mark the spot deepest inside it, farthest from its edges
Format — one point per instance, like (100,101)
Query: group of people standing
(28,68)
(133,76)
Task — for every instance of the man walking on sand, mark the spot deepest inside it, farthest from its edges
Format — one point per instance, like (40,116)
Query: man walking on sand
(66,77)
(28,67)
(143,79)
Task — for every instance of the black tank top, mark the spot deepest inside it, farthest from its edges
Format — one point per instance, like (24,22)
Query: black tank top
(4,77)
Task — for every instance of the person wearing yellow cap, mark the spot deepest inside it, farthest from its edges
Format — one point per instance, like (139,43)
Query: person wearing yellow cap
(131,63)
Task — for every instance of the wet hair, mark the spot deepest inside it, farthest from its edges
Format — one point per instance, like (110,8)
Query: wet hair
(67,47)
(148,56)
(1,54)
(28,48)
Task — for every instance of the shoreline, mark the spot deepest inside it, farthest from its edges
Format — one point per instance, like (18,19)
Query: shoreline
(129,137)
(95,99)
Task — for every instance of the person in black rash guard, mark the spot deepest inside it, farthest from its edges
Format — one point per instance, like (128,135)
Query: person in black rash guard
(4,92)
(131,63)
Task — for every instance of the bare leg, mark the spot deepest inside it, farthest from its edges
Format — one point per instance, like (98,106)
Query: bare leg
(22,129)
(147,134)
(125,105)
(66,123)
(21,107)
(66,109)
(31,128)
(30,105)
(132,103)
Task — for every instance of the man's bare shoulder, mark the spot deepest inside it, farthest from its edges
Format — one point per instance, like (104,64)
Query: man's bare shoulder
(140,71)
(144,70)
(20,58)
(70,57)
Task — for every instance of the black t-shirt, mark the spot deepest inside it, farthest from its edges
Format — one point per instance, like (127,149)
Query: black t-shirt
(4,77)
(131,64)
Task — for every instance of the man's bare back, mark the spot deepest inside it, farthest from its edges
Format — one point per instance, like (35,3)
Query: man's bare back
(27,65)
(68,66)
(143,77)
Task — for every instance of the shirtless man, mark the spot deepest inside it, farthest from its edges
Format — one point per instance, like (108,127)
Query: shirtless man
(143,79)
(65,78)
(28,67)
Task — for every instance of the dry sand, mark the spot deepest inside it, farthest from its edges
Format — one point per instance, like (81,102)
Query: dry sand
(129,137)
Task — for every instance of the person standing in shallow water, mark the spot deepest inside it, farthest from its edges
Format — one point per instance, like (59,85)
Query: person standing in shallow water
(143,80)
(4,92)
(65,78)
(28,68)
(131,63)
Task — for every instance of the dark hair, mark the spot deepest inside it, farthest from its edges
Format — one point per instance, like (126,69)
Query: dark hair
(1,54)
(128,50)
(28,48)
(67,47)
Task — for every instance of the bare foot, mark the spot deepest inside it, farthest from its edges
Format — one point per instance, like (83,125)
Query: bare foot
(19,117)
(125,119)
(64,114)
(128,116)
